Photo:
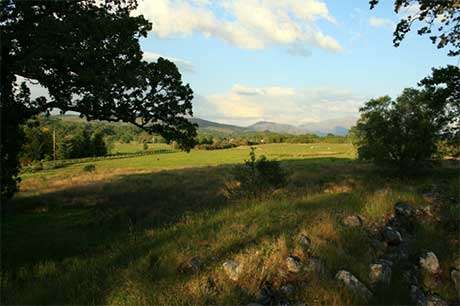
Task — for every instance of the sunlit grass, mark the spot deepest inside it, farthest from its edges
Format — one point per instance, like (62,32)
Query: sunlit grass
(123,239)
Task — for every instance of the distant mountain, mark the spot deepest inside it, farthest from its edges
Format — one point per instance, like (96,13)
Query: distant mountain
(210,126)
(339,126)
(262,126)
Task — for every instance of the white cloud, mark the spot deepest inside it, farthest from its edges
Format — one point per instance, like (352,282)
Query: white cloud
(183,65)
(245,105)
(248,24)
(377,22)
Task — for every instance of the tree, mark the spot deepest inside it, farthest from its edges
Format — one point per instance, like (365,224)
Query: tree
(443,100)
(401,132)
(87,54)
(440,19)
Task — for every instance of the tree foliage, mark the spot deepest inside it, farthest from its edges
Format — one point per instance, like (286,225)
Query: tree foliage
(400,131)
(439,19)
(411,129)
(86,54)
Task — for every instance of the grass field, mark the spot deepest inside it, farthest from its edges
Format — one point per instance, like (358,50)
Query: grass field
(125,233)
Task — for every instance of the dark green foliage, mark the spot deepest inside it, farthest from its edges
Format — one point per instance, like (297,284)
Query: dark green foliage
(38,144)
(440,19)
(418,126)
(258,175)
(443,101)
(87,54)
(400,132)
(89,168)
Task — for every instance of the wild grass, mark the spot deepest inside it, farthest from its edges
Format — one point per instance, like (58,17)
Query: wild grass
(123,235)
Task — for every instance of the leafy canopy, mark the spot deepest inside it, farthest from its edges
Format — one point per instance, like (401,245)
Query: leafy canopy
(87,55)
(440,19)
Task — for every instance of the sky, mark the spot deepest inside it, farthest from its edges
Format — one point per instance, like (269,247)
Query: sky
(286,61)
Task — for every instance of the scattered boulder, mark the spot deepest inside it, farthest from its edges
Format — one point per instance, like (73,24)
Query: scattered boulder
(293,264)
(380,273)
(305,241)
(232,269)
(404,210)
(429,263)
(417,296)
(455,276)
(353,284)
(352,221)
(391,236)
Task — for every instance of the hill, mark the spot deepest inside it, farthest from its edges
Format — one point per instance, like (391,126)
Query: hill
(339,126)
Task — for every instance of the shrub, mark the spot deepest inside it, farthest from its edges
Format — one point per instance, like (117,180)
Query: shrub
(256,176)
(89,168)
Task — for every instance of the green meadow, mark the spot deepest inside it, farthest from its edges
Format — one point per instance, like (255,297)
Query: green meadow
(127,233)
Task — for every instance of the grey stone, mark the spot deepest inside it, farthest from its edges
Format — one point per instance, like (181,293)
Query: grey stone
(232,269)
(380,273)
(429,263)
(404,210)
(391,235)
(353,284)
(352,221)
(293,264)
(455,276)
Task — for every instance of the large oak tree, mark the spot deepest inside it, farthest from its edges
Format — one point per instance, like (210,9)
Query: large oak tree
(86,53)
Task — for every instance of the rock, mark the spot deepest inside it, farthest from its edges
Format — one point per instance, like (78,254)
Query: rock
(380,273)
(353,284)
(304,241)
(352,221)
(455,276)
(391,236)
(417,296)
(404,210)
(314,265)
(232,269)
(293,264)
(434,300)
(287,289)
(429,263)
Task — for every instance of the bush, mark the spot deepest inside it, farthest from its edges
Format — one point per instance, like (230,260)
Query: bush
(89,168)
(256,176)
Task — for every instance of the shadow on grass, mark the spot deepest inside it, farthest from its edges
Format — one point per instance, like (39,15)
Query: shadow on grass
(90,234)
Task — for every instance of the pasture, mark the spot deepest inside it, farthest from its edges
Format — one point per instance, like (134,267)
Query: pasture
(156,229)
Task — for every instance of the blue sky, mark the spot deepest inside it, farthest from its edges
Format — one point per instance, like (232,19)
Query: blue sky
(288,61)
